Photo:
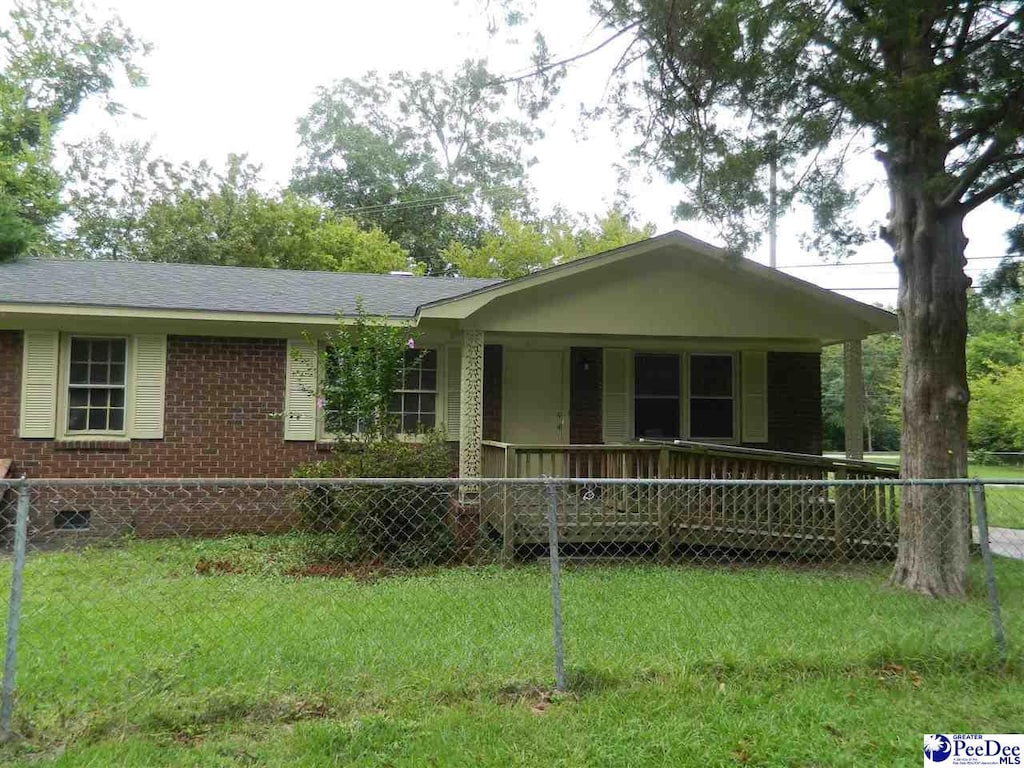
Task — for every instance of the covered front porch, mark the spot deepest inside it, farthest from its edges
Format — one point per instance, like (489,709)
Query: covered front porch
(666,360)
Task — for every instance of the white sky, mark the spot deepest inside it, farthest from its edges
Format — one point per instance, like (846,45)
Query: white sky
(235,75)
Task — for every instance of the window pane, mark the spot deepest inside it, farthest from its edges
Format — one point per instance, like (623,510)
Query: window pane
(427,403)
(412,403)
(118,350)
(77,419)
(117,418)
(427,420)
(710,418)
(97,419)
(429,359)
(78,397)
(657,418)
(117,373)
(79,373)
(411,379)
(99,374)
(99,398)
(657,375)
(79,351)
(395,405)
(117,398)
(100,351)
(429,380)
(710,375)
(410,422)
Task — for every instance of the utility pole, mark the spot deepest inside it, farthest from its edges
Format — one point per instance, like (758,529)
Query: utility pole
(773,202)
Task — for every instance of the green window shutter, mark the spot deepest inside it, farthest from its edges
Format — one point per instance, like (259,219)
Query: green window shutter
(617,395)
(39,384)
(148,372)
(754,388)
(300,391)
(453,393)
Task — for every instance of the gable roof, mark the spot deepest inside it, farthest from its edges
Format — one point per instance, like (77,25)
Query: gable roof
(690,248)
(152,285)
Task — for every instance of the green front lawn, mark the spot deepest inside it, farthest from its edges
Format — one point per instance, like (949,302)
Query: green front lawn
(129,656)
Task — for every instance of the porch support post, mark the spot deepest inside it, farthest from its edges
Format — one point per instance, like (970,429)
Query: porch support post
(471,425)
(853,391)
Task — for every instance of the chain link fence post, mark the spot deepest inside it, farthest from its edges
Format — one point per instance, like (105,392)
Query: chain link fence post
(551,493)
(981,512)
(14,611)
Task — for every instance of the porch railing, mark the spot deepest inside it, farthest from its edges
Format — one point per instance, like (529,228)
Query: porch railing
(837,519)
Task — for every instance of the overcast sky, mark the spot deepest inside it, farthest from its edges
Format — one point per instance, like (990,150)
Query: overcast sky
(235,75)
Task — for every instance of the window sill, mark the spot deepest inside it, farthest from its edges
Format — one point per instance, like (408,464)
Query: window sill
(106,445)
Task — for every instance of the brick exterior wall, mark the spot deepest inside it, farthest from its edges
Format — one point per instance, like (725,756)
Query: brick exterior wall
(585,402)
(493,356)
(221,393)
(794,402)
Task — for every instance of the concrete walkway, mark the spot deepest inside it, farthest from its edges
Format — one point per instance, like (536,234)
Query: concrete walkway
(1008,542)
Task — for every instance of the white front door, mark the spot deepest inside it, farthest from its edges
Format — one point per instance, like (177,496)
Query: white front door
(533,396)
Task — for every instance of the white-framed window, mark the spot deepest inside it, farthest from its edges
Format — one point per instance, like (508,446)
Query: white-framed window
(414,406)
(712,396)
(657,395)
(95,397)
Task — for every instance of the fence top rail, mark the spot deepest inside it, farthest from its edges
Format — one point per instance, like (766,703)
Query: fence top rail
(454,482)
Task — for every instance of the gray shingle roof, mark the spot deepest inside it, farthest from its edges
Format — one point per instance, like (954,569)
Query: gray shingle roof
(150,285)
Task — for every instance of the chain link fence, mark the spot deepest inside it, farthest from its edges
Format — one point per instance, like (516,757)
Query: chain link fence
(127,597)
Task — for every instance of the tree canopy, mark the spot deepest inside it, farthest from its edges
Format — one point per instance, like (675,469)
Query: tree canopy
(430,159)
(125,203)
(517,247)
(55,56)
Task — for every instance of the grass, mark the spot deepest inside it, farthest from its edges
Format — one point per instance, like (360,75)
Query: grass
(129,656)
(1005,504)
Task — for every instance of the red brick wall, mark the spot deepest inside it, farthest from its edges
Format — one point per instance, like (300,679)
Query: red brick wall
(794,402)
(493,355)
(586,407)
(221,393)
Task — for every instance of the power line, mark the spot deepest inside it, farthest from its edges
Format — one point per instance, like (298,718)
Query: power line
(869,263)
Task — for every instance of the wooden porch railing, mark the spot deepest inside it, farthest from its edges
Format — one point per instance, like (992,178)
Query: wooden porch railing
(815,519)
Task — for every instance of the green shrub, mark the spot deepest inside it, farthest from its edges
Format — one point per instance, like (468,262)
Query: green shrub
(401,525)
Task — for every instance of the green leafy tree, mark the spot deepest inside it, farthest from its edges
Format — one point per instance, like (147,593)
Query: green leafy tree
(54,57)
(516,247)
(727,89)
(881,373)
(429,159)
(363,362)
(997,410)
(125,203)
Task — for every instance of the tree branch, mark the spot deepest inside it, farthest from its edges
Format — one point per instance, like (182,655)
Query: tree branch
(971,173)
(540,70)
(992,190)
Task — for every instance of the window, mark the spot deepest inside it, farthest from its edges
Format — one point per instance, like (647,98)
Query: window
(71,519)
(414,406)
(97,376)
(711,396)
(656,411)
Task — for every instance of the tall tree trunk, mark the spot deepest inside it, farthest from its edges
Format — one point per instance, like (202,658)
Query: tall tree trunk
(929,246)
